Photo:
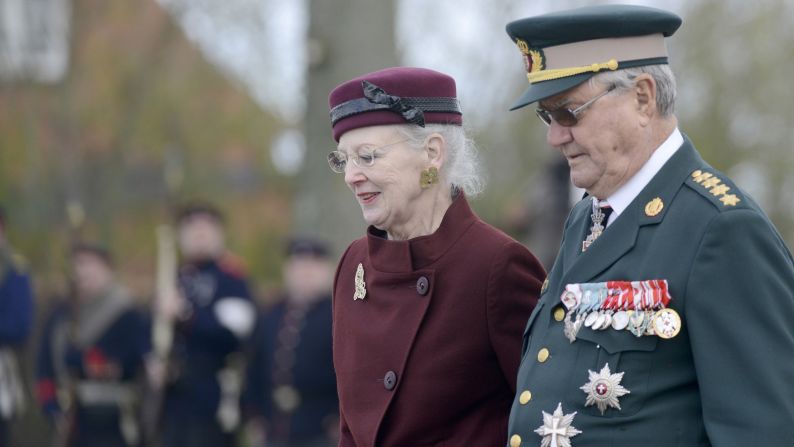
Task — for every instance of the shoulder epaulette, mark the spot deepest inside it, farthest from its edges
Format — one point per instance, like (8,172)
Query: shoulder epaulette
(717,188)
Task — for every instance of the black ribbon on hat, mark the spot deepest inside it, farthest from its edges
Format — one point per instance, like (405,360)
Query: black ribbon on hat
(410,108)
(377,95)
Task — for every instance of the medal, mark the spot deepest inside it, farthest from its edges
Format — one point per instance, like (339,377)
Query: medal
(620,321)
(603,389)
(557,430)
(361,286)
(598,226)
(666,323)
(607,322)
(591,319)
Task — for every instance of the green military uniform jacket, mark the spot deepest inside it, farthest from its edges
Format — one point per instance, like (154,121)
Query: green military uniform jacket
(726,379)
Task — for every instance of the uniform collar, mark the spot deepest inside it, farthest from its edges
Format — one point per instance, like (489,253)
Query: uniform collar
(621,198)
(406,256)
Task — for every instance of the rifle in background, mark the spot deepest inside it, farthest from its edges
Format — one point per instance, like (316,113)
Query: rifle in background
(166,298)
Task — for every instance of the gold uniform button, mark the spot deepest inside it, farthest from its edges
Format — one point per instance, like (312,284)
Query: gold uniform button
(559,314)
(543,355)
(515,441)
(525,397)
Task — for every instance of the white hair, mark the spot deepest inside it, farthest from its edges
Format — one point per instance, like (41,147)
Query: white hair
(661,74)
(462,169)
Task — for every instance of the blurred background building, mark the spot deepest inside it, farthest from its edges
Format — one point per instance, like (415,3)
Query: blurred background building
(111,111)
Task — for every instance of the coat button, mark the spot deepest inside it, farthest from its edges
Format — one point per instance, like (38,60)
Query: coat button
(559,314)
(390,380)
(525,397)
(543,355)
(515,441)
(422,286)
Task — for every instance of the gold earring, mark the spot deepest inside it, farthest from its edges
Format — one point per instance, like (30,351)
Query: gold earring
(429,177)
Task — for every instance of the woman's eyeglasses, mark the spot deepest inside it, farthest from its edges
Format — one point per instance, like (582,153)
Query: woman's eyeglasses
(566,117)
(365,158)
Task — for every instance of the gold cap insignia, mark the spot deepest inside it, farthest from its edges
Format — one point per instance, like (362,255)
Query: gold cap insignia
(361,286)
(654,207)
(534,59)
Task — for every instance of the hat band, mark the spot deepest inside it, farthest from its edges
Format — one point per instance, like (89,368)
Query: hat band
(548,75)
(363,105)
(612,65)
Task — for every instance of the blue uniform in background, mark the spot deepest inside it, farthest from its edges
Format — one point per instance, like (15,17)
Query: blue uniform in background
(89,367)
(16,319)
(202,403)
(291,383)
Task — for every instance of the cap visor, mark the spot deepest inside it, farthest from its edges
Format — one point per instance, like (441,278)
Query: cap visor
(542,90)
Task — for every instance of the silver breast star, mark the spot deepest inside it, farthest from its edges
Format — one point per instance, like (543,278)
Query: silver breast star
(603,389)
(557,430)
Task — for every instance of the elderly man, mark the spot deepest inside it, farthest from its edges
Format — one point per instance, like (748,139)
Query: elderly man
(666,319)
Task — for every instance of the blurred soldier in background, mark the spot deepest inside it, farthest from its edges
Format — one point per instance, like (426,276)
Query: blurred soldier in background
(214,316)
(291,387)
(16,316)
(90,357)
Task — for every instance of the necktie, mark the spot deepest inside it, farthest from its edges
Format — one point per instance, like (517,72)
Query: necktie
(599,218)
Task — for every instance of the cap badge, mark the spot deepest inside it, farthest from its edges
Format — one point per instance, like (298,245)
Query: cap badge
(654,207)
(361,286)
(534,59)
(557,430)
(603,389)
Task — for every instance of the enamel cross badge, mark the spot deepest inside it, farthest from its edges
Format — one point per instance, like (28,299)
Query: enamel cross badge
(603,389)
(361,286)
(557,430)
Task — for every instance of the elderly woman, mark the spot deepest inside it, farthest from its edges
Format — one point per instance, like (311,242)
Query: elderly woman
(428,307)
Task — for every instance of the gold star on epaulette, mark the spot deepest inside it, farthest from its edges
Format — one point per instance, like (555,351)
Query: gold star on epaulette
(730,199)
(719,190)
(712,182)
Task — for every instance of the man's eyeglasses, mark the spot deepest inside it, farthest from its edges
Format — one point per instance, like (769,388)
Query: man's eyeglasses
(566,117)
(365,158)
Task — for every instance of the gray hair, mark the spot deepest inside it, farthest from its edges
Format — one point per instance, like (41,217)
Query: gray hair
(662,74)
(462,169)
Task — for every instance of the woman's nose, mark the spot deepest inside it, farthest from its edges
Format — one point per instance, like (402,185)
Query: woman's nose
(353,174)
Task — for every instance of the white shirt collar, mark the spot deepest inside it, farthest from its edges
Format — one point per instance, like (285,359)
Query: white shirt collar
(622,198)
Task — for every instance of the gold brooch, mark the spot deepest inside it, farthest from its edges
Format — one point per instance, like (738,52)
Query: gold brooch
(361,286)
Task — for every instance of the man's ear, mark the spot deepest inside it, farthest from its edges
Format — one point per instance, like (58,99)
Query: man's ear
(645,91)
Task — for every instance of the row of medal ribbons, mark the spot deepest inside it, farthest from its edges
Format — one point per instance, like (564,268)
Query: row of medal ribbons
(637,306)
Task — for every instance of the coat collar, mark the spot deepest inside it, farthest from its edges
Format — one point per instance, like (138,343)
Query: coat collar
(621,235)
(417,253)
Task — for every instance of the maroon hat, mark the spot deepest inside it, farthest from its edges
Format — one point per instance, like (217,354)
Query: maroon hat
(396,95)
